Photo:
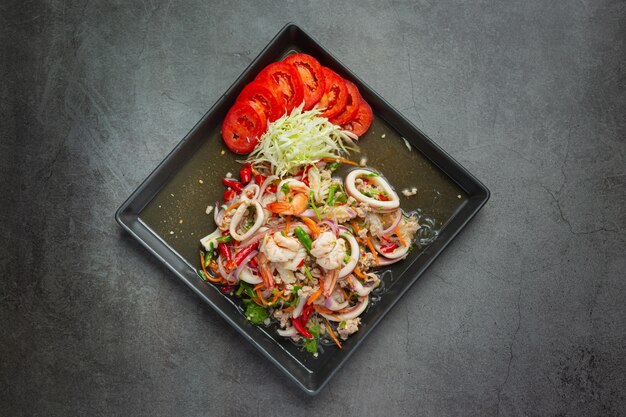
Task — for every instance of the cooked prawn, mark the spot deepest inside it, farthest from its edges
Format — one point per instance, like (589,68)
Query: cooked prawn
(292,198)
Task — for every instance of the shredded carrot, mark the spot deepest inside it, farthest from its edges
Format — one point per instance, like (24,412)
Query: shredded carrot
(332,334)
(206,274)
(342,160)
(369,245)
(290,308)
(323,310)
(397,232)
(359,273)
(316,294)
(287,224)
(257,301)
(356,227)
(257,286)
(311,225)
(234,206)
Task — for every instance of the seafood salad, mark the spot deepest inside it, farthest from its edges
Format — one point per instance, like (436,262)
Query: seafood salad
(302,250)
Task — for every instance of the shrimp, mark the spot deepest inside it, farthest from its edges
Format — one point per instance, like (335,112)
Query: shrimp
(329,250)
(292,198)
(265,270)
(279,248)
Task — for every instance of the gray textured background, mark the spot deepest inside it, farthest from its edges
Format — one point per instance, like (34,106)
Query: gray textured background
(522,315)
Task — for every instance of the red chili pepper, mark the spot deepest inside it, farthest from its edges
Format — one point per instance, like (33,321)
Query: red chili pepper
(300,328)
(271,188)
(229,194)
(225,252)
(306,313)
(241,255)
(300,264)
(235,185)
(245,174)
(259,178)
(383,197)
(389,248)
(227,289)
(253,263)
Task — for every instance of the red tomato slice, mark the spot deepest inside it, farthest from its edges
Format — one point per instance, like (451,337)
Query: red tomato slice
(310,71)
(284,81)
(352,105)
(335,95)
(362,120)
(243,127)
(260,97)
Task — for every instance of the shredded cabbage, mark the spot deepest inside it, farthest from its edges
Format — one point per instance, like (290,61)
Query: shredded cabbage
(301,138)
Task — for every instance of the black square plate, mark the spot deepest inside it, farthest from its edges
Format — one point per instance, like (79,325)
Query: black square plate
(166,214)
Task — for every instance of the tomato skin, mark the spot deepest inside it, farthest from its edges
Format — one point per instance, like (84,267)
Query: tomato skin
(362,120)
(259,96)
(335,95)
(352,105)
(242,128)
(313,80)
(284,81)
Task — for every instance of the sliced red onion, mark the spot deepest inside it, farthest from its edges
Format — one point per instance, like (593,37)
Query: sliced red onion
(350,186)
(244,262)
(260,233)
(361,289)
(298,310)
(352,312)
(355,252)
(288,332)
(238,217)
(331,304)
(332,225)
(220,267)
(310,213)
(268,181)
(395,224)
(216,211)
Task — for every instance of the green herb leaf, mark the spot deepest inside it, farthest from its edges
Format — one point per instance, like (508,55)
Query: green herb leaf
(256,314)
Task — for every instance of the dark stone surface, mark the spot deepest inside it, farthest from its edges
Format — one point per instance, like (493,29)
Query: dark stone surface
(523,315)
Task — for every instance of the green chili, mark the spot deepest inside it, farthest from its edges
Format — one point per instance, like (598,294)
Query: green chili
(331,195)
(224,239)
(308,273)
(303,237)
(333,166)
(313,206)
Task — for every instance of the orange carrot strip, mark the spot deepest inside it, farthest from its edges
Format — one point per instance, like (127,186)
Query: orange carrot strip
(359,274)
(206,274)
(316,294)
(369,245)
(257,286)
(397,232)
(342,160)
(287,224)
(356,227)
(332,334)
(315,230)
(234,206)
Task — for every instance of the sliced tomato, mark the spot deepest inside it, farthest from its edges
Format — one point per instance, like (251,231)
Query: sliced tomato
(352,105)
(284,81)
(243,127)
(310,71)
(363,119)
(260,97)
(335,95)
